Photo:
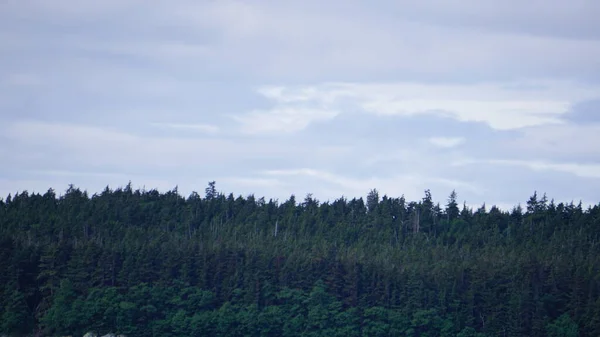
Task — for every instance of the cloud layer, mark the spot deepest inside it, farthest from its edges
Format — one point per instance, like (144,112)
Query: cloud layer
(493,99)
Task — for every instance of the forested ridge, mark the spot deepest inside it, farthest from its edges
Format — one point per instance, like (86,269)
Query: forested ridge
(145,263)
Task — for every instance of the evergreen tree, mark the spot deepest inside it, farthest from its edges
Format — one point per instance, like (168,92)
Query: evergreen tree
(145,263)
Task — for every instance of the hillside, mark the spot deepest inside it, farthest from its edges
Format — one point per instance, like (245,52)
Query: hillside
(144,263)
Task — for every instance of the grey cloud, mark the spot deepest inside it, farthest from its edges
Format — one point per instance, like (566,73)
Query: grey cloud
(508,184)
(299,42)
(566,142)
(55,146)
(572,19)
(587,112)
(93,92)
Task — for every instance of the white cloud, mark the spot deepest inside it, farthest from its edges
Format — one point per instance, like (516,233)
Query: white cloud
(581,170)
(411,185)
(282,119)
(558,140)
(283,94)
(446,142)
(577,169)
(294,110)
(497,114)
(498,105)
(251,182)
(94,147)
(205,128)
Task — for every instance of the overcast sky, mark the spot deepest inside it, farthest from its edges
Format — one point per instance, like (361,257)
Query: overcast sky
(495,99)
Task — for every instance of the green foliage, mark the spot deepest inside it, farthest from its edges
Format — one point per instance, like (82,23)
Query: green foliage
(469,332)
(16,318)
(563,326)
(145,263)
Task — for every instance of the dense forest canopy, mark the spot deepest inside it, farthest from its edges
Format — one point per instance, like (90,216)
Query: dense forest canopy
(145,263)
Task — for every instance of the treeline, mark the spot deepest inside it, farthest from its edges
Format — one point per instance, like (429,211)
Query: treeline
(145,263)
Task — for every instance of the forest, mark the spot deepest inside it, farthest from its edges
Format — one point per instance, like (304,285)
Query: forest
(150,263)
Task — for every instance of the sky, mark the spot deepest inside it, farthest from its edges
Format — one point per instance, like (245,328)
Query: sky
(494,99)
